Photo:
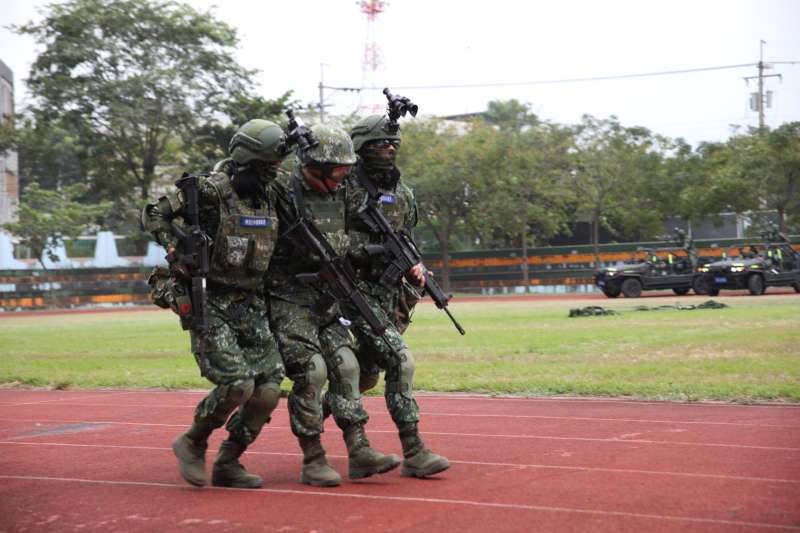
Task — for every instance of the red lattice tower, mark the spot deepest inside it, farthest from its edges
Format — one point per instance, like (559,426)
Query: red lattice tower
(372,54)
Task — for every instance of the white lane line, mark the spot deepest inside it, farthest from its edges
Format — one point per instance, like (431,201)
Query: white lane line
(596,439)
(60,400)
(413,499)
(475,415)
(113,423)
(453,434)
(603,400)
(452,461)
(598,419)
(476,397)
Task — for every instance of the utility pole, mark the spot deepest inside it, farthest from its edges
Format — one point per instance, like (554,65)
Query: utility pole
(321,93)
(757,100)
(322,105)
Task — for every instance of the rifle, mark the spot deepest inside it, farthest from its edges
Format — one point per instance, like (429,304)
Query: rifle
(399,246)
(192,263)
(335,271)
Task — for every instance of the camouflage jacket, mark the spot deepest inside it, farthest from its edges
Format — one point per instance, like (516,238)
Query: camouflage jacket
(397,204)
(327,212)
(243,231)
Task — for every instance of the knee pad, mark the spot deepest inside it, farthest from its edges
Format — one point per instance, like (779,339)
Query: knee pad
(407,366)
(239,391)
(225,398)
(344,376)
(266,396)
(344,364)
(400,378)
(258,409)
(367,381)
(313,379)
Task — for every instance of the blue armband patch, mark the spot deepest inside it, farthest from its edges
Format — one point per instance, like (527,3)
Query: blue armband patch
(254,222)
(387,199)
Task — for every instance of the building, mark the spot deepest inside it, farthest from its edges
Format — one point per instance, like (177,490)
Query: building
(9,177)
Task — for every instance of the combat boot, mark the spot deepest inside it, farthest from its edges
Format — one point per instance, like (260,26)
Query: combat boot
(364,461)
(316,470)
(229,472)
(419,461)
(191,456)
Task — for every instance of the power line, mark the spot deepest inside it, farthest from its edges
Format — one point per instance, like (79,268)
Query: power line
(558,81)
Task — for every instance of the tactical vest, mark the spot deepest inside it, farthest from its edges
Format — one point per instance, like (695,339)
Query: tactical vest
(244,241)
(395,204)
(327,213)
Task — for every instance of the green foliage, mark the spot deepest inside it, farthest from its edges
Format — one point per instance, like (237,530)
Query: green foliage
(131,76)
(510,115)
(50,154)
(513,346)
(209,142)
(46,217)
(614,172)
(444,166)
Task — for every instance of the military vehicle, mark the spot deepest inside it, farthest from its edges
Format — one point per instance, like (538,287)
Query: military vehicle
(655,272)
(758,266)
(674,271)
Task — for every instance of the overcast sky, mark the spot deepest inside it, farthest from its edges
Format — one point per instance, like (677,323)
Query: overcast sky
(435,43)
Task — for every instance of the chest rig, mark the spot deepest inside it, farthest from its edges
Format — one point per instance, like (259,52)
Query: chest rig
(326,212)
(244,241)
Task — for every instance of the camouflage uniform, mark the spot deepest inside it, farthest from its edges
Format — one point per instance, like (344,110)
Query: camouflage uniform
(392,304)
(312,333)
(239,354)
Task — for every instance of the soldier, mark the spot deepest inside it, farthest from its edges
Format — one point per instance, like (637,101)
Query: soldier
(312,333)
(238,354)
(376,144)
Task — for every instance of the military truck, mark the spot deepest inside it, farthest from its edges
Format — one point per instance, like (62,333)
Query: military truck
(656,272)
(672,270)
(757,266)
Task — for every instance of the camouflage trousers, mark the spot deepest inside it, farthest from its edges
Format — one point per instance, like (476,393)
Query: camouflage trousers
(315,345)
(241,358)
(374,355)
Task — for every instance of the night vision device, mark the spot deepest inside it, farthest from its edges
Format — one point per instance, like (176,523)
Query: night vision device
(299,134)
(398,107)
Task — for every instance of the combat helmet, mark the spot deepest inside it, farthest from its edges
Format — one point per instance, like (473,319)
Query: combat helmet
(325,165)
(260,140)
(372,128)
(334,147)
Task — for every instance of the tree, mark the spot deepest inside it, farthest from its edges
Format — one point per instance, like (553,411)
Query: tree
(209,141)
(510,115)
(528,198)
(783,179)
(49,154)
(443,165)
(132,76)
(612,165)
(45,218)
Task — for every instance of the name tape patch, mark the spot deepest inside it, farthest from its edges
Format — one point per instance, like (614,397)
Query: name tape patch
(254,222)
(387,198)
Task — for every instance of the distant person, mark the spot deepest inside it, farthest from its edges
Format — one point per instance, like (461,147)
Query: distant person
(238,354)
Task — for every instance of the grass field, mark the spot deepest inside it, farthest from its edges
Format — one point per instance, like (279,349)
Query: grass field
(748,352)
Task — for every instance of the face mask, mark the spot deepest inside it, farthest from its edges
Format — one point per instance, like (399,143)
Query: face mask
(380,155)
(264,171)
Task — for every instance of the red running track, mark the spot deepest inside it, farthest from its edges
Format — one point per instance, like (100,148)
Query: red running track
(100,460)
